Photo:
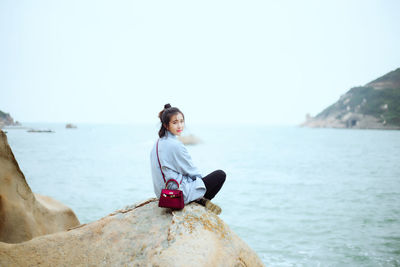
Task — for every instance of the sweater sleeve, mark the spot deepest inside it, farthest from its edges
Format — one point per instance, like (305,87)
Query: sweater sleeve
(185,164)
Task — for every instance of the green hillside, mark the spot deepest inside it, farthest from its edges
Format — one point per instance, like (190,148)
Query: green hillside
(379,98)
(5,119)
(3,114)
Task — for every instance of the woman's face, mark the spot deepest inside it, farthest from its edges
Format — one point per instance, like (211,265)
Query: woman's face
(176,124)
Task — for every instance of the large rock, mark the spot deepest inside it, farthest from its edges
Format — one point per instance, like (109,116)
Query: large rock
(141,235)
(23,214)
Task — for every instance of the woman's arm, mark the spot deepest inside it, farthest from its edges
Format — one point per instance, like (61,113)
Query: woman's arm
(185,164)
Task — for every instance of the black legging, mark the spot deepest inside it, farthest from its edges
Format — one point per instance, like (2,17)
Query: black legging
(214,182)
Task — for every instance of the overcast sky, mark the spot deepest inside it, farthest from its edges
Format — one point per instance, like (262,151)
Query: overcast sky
(265,62)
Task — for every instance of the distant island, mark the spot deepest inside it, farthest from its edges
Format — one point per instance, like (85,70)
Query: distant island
(6,120)
(373,106)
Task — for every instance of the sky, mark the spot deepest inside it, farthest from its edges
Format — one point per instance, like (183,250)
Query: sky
(245,62)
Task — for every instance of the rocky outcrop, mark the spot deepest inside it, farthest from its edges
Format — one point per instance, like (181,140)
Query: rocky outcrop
(189,140)
(141,235)
(6,119)
(373,106)
(390,80)
(347,120)
(23,214)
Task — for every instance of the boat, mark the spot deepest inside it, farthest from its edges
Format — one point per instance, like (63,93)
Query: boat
(39,131)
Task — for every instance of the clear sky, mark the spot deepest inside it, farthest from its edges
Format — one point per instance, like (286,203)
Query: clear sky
(264,62)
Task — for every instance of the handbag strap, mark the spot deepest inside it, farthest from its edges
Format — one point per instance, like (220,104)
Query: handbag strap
(171,181)
(159,164)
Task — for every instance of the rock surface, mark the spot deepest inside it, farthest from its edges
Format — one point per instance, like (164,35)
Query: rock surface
(23,214)
(141,235)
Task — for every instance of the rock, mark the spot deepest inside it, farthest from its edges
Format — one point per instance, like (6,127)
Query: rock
(189,140)
(70,126)
(142,235)
(23,214)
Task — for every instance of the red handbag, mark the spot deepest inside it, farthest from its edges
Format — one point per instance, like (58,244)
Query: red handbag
(170,198)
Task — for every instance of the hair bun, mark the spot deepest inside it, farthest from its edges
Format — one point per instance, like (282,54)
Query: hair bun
(167,106)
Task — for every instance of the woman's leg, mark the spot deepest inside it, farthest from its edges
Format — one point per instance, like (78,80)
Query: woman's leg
(213,183)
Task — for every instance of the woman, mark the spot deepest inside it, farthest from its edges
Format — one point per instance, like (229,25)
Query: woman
(176,163)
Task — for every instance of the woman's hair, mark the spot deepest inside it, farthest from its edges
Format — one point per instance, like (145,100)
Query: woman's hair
(165,117)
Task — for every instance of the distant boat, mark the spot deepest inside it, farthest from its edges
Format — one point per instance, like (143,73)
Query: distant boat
(39,131)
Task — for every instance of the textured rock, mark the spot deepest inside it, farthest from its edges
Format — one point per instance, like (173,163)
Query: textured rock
(23,214)
(142,235)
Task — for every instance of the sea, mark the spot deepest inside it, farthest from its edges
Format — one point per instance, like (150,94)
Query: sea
(297,196)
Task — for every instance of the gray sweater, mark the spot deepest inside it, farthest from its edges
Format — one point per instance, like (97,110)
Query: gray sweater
(176,164)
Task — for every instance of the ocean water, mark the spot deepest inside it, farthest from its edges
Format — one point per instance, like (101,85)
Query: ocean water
(297,196)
